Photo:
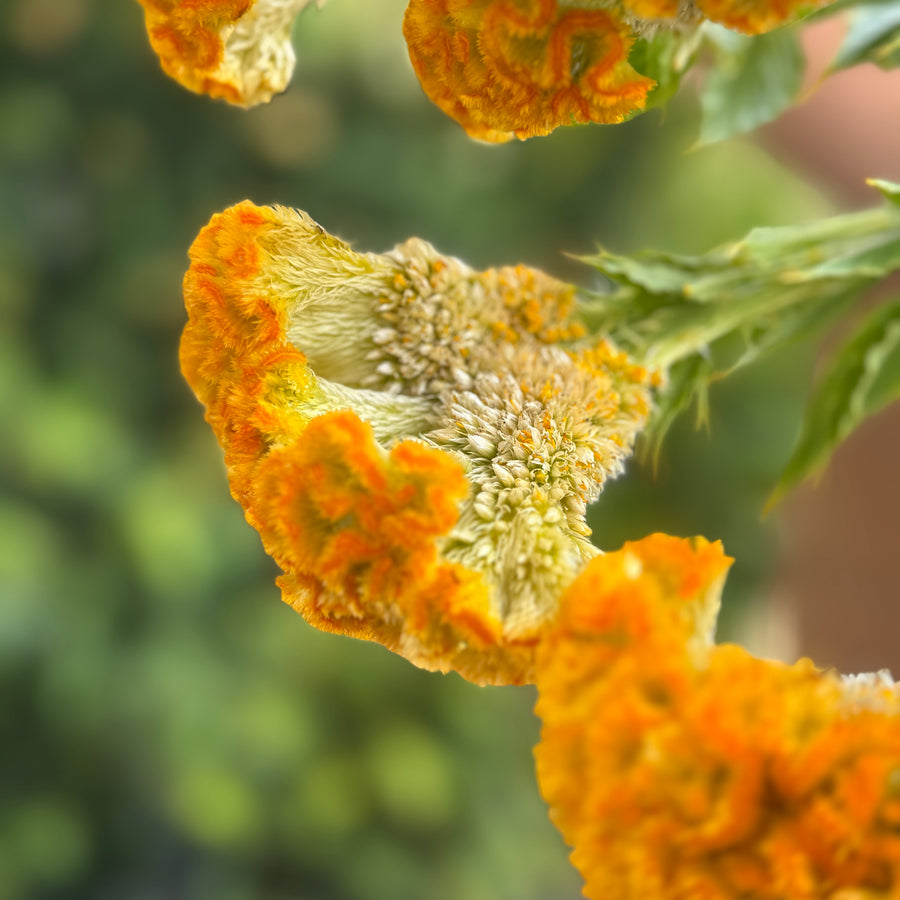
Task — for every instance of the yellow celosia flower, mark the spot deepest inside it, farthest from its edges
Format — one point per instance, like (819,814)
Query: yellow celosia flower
(680,769)
(520,68)
(416,442)
(239,50)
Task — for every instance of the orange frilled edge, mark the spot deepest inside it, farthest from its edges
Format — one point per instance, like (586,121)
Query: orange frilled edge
(680,770)
(187,37)
(516,68)
(352,526)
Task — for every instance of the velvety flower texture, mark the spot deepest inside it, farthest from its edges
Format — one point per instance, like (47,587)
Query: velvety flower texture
(239,50)
(416,442)
(520,68)
(681,769)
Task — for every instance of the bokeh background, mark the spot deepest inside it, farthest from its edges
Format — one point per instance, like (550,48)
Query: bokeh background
(168,729)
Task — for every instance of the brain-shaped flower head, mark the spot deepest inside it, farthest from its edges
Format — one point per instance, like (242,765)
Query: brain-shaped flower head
(676,768)
(415,441)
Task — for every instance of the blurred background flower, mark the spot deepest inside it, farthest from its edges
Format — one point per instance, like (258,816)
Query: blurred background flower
(168,728)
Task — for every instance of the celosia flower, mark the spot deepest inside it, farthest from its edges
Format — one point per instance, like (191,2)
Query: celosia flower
(520,68)
(676,768)
(239,50)
(416,442)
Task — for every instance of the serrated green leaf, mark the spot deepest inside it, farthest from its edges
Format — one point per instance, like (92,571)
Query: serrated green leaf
(687,380)
(755,80)
(657,273)
(706,316)
(671,306)
(863,378)
(873,36)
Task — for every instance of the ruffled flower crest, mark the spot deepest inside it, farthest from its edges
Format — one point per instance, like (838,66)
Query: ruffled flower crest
(416,442)
(676,768)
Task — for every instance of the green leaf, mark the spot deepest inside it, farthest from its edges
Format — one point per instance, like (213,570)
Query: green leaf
(687,379)
(755,79)
(863,378)
(665,57)
(697,318)
(668,306)
(873,36)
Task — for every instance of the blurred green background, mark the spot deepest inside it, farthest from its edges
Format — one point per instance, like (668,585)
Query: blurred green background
(168,729)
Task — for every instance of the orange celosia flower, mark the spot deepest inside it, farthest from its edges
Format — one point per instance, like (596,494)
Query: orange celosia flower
(520,68)
(239,50)
(505,68)
(676,768)
(416,442)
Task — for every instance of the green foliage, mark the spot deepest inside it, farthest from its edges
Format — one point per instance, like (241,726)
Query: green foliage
(664,57)
(754,80)
(862,378)
(688,381)
(873,36)
(701,317)
(750,80)
(888,189)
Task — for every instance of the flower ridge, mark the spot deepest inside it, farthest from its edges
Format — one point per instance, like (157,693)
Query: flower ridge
(416,442)
(678,768)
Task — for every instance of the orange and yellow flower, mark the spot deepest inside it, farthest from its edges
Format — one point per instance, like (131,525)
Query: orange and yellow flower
(677,768)
(239,50)
(520,68)
(416,442)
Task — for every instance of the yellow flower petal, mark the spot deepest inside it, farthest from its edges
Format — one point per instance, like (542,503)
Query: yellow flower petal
(676,768)
(344,387)
(239,50)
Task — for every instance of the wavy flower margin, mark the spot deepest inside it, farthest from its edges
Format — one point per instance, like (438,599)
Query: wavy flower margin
(677,768)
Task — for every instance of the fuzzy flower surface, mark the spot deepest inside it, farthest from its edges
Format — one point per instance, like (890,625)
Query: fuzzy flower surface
(678,768)
(521,68)
(415,441)
(238,50)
